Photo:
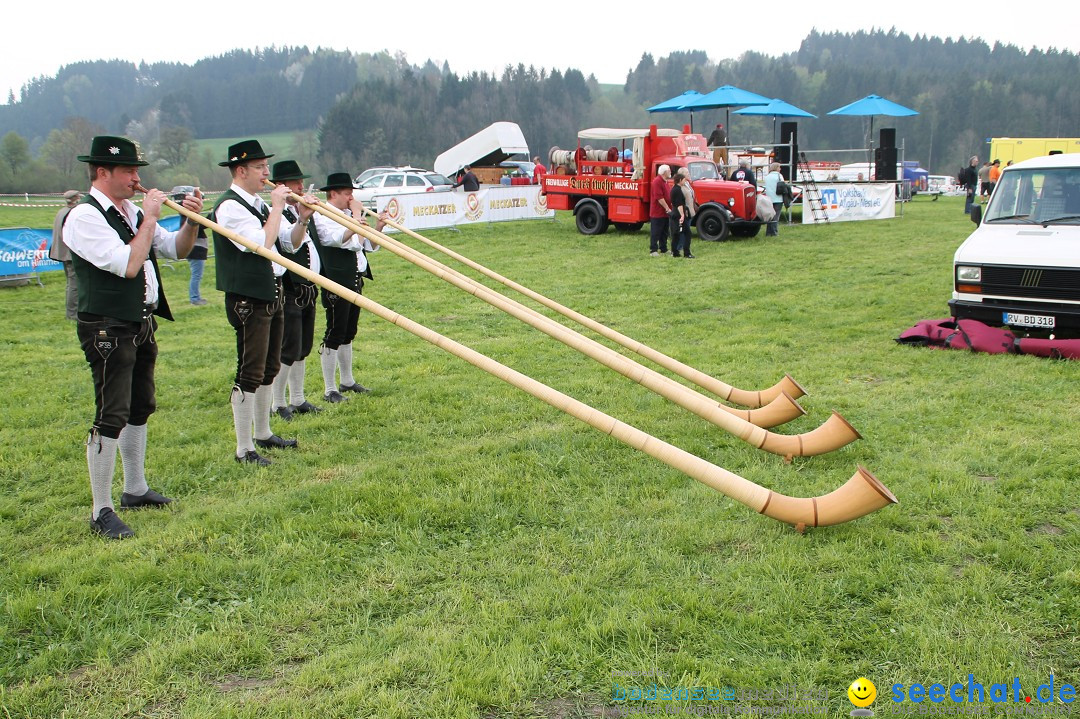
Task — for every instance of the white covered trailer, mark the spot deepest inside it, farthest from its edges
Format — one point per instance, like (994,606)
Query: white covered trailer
(495,143)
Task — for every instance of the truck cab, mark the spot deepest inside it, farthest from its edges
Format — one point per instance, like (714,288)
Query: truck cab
(1020,268)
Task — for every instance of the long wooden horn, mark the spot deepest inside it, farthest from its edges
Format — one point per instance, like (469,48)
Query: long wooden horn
(836,432)
(747,398)
(782,408)
(859,496)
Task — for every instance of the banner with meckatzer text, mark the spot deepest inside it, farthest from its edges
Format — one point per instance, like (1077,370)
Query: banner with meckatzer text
(446,209)
(25,252)
(844,202)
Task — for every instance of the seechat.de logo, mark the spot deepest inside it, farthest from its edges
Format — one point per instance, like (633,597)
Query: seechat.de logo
(862,694)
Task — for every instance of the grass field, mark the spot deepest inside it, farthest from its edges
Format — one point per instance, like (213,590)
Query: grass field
(450,547)
(280,143)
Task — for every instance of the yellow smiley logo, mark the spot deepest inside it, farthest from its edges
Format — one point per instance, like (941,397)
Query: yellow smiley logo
(862,692)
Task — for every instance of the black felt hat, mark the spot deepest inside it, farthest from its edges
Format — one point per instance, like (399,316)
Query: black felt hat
(109,150)
(287,170)
(245,151)
(337,181)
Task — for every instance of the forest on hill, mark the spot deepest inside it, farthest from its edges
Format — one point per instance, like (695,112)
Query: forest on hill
(350,110)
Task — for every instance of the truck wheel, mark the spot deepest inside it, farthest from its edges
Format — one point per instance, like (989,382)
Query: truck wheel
(712,224)
(629,226)
(591,218)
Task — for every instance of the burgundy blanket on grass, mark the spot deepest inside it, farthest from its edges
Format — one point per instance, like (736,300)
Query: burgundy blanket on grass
(975,336)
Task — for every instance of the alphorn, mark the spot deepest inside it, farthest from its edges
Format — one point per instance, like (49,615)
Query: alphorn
(836,432)
(747,398)
(783,408)
(859,496)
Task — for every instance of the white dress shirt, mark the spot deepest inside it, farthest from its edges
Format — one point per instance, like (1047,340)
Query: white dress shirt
(90,236)
(233,216)
(285,238)
(332,234)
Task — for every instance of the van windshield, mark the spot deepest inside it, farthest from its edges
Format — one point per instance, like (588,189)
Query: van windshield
(1041,196)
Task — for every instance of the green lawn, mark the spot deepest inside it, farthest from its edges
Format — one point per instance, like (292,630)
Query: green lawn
(450,547)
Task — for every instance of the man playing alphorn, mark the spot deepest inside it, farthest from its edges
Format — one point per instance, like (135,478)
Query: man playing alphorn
(300,295)
(113,250)
(253,296)
(344,261)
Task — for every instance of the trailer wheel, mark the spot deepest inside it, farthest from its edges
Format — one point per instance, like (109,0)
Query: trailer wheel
(712,224)
(591,218)
(629,226)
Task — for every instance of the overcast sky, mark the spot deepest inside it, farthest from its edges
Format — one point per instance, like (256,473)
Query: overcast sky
(604,39)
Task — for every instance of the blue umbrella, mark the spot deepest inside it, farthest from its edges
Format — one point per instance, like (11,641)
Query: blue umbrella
(874,105)
(676,104)
(776,108)
(727,97)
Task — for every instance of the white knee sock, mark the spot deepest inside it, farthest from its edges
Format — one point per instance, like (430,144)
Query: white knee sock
(101,459)
(344,360)
(280,381)
(263,397)
(296,383)
(132,443)
(329,360)
(243,412)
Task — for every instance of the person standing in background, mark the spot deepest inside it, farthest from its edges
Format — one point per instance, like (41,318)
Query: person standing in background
(772,229)
(538,171)
(659,211)
(197,263)
(984,180)
(59,251)
(969,178)
(691,210)
(718,141)
(995,173)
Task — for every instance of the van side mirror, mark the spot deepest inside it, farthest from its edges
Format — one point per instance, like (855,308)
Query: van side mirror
(976,214)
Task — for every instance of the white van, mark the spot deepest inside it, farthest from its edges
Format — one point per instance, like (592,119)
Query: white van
(1021,266)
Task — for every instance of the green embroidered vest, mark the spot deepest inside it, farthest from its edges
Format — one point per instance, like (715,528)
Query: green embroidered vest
(103,293)
(238,272)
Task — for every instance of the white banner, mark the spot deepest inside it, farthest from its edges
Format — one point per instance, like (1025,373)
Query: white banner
(446,209)
(854,201)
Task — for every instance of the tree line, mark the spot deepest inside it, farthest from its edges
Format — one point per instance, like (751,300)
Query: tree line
(348,110)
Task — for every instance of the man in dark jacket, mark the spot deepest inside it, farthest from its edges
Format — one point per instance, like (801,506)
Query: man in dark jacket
(468,180)
(969,178)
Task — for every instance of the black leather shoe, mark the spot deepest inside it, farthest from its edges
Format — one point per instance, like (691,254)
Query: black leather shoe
(333,396)
(305,408)
(690,257)
(275,442)
(354,387)
(109,525)
(253,457)
(284,412)
(150,499)
(674,255)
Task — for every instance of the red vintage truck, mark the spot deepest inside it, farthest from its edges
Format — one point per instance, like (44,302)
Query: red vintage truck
(611,186)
